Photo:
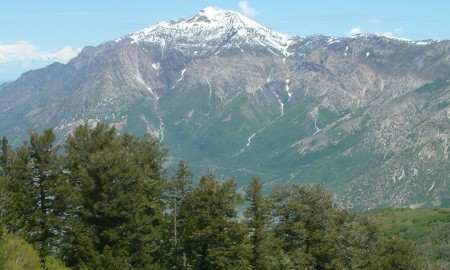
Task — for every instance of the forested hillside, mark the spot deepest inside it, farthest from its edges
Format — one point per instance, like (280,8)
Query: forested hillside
(428,229)
(106,201)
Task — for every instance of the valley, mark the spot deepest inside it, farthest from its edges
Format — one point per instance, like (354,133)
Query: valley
(359,115)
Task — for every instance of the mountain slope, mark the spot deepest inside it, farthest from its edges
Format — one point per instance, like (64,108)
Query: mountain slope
(358,114)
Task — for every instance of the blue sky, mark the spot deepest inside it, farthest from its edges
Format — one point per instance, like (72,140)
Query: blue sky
(36,33)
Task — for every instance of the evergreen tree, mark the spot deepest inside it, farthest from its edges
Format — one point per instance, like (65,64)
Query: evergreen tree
(266,253)
(105,204)
(317,235)
(116,204)
(214,239)
(178,189)
(4,160)
(4,172)
(396,254)
(294,226)
(30,191)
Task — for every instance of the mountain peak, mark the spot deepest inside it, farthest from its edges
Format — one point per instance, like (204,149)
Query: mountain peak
(212,30)
(212,10)
(214,14)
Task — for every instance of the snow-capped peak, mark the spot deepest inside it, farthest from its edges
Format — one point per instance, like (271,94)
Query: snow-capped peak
(213,29)
(221,16)
(210,13)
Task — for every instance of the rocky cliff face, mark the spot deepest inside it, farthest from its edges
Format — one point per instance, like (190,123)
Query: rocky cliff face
(366,116)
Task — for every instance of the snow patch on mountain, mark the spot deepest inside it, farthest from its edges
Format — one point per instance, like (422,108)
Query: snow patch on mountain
(214,28)
(281,105)
(288,81)
(424,42)
(182,75)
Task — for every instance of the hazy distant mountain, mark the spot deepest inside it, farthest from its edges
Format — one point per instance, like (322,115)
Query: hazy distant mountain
(366,116)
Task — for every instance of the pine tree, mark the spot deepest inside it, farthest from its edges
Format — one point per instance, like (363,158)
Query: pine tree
(266,254)
(31,201)
(396,254)
(291,228)
(214,238)
(317,235)
(178,189)
(4,172)
(117,199)
(4,160)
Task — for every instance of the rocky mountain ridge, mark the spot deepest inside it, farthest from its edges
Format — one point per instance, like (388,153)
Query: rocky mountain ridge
(212,31)
(360,115)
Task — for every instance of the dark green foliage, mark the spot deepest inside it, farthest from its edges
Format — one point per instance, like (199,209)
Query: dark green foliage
(178,189)
(437,85)
(104,203)
(397,255)
(117,186)
(4,155)
(442,105)
(214,238)
(428,229)
(32,202)
(4,171)
(315,234)
(265,251)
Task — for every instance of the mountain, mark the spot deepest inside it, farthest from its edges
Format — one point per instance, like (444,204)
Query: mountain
(366,116)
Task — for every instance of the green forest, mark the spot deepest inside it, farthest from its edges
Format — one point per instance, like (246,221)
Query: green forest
(102,200)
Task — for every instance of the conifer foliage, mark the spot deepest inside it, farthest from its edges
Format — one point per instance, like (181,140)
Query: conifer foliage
(31,199)
(178,190)
(117,184)
(215,238)
(266,253)
(103,201)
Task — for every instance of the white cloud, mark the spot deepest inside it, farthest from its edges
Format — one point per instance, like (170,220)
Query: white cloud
(23,51)
(355,31)
(246,9)
(63,55)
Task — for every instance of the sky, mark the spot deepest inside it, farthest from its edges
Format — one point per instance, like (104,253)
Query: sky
(35,33)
